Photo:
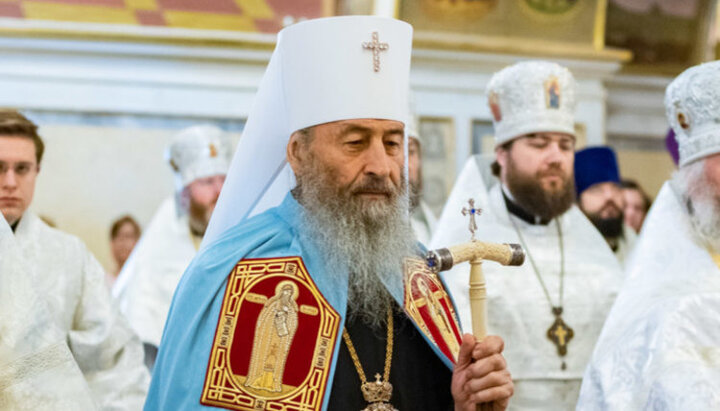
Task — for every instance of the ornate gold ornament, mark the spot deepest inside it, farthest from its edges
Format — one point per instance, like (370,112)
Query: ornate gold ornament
(429,307)
(274,340)
(378,392)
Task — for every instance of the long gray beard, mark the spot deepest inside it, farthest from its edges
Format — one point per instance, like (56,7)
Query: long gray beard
(371,241)
(703,202)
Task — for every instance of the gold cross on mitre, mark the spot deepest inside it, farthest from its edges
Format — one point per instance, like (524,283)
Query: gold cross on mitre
(376,48)
(472,212)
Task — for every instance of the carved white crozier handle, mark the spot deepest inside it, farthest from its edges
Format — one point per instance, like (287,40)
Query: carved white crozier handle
(475,252)
(478,300)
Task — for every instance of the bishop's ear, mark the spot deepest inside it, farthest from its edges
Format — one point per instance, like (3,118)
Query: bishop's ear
(297,149)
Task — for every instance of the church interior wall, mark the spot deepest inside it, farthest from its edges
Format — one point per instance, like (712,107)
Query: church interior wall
(93,174)
(108,97)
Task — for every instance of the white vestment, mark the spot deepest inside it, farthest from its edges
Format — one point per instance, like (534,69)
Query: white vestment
(92,332)
(37,369)
(518,310)
(660,347)
(626,244)
(147,282)
(423,223)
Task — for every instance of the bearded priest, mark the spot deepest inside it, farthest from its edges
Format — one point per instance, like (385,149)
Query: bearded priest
(660,346)
(199,157)
(307,305)
(552,308)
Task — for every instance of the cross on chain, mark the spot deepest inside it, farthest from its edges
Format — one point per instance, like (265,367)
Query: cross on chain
(376,48)
(560,333)
(472,212)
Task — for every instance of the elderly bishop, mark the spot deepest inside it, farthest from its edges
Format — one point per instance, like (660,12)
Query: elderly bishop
(553,307)
(310,304)
(660,347)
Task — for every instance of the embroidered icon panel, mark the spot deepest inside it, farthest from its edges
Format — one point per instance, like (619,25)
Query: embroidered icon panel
(274,340)
(430,308)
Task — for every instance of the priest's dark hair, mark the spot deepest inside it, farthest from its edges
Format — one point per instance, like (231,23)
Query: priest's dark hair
(633,185)
(13,123)
(495,167)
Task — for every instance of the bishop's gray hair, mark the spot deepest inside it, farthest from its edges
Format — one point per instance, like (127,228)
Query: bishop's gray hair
(702,202)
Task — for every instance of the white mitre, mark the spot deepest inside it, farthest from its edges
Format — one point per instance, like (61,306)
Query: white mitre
(321,71)
(530,97)
(412,125)
(197,152)
(692,104)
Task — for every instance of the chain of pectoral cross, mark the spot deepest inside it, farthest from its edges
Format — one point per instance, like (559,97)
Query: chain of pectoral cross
(559,333)
(537,272)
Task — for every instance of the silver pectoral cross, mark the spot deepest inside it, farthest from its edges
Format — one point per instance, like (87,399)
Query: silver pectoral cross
(376,48)
(472,212)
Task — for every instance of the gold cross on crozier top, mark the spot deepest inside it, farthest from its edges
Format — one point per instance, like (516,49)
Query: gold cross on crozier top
(376,48)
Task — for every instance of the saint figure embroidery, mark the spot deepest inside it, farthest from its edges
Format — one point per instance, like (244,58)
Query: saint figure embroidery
(552,93)
(274,332)
(439,317)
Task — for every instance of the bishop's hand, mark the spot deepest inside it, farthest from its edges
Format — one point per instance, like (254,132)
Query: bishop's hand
(481,376)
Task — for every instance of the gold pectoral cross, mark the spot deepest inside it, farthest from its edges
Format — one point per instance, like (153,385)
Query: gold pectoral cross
(560,334)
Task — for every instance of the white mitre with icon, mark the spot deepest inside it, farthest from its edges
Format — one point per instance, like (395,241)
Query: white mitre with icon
(692,104)
(530,97)
(197,152)
(323,70)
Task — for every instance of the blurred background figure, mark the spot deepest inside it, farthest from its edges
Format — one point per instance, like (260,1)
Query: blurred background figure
(422,219)
(659,347)
(101,343)
(600,197)
(124,234)
(637,204)
(199,157)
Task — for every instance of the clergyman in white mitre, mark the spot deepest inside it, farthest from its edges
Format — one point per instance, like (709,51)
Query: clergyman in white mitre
(199,157)
(660,347)
(552,308)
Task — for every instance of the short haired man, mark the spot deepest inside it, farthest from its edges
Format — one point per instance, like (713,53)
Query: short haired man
(637,204)
(300,306)
(199,157)
(552,308)
(659,347)
(597,181)
(102,344)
